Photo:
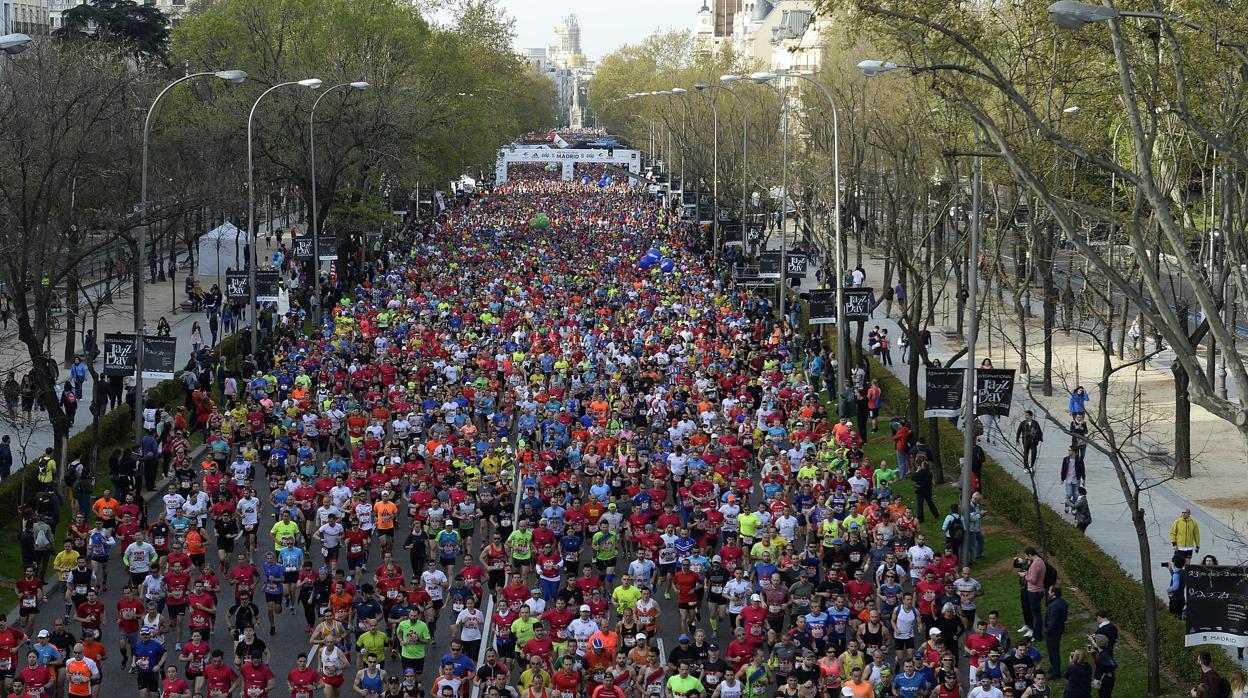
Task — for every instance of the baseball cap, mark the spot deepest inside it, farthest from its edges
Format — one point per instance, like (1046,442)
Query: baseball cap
(409,670)
(755,597)
(717,559)
(683,638)
(712,648)
(44,633)
(933,632)
(641,636)
(585,608)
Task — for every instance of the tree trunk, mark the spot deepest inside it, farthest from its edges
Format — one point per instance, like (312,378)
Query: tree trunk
(1152,641)
(933,435)
(1182,413)
(1049,290)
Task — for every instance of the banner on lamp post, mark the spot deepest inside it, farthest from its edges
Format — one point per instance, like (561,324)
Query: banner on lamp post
(1217,605)
(994,391)
(822,306)
(119,354)
(857,304)
(944,392)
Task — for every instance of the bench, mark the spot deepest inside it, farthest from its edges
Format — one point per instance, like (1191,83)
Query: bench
(951,333)
(1155,453)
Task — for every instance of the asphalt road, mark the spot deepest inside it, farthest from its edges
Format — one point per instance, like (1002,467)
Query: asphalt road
(291,636)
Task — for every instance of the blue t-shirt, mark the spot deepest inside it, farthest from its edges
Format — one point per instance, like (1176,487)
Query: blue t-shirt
(274,576)
(912,686)
(147,654)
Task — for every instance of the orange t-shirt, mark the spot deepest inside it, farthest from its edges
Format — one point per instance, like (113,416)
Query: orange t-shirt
(105,508)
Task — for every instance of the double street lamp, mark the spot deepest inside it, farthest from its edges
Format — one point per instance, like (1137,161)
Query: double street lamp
(252,232)
(233,77)
(872,68)
(316,231)
(703,88)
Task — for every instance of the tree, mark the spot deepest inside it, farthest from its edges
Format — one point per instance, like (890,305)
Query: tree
(141,30)
(65,126)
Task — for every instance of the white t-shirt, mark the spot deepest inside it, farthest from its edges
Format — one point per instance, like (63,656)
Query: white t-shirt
(470,622)
(434,582)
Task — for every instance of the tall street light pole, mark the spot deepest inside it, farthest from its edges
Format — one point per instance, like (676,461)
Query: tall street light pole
(233,77)
(765,79)
(252,231)
(872,68)
(684,137)
(728,81)
(316,231)
(710,98)
(842,332)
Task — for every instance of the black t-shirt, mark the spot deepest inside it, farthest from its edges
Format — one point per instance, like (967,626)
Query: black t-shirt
(805,675)
(683,654)
(244,616)
(713,672)
(245,649)
(1017,668)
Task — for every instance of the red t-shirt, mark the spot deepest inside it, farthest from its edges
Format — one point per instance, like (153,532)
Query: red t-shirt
(218,679)
(357,543)
(686,586)
(255,680)
(128,612)
(303,681)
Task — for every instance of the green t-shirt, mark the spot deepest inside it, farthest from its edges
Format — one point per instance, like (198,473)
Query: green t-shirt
(749,523)
(521,544)
(412,638)
(523,630)
(283,530)
(681,686)
(372,643)
(625,598)
(604,545)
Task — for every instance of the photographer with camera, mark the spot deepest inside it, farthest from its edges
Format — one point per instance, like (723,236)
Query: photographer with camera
(1103,666)
(1177,591)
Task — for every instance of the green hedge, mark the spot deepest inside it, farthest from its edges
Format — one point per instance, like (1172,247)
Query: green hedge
(1095,573)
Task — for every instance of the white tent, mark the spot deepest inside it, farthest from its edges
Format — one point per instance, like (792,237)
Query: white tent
(221,249)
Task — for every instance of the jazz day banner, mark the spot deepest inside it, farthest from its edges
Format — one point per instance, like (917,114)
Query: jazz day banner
(119,354)
(160,356)
(944,392)
(237,285)
(857,304)
(303,248)
(994,391)
(1217,606)
(796,264)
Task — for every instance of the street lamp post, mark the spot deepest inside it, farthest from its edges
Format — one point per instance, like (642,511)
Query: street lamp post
(765,79)
(728,81)
(684,136)
(316,247)
(252,230)
(703,87)
(842,332)
(871,68)
(233,77)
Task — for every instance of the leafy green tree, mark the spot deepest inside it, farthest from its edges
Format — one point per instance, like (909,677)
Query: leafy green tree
(140,29)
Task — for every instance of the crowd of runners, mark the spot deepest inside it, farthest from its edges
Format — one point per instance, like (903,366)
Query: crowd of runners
(527,423)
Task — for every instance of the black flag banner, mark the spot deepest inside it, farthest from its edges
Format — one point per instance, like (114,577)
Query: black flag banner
(994,391)
(303,248)
(822,307)
(796,264)
(1217,605)
(160,355)
(857,304)
(119,354)
(944,392)
(267,286)
(769,265)
(238,286)
(326,247)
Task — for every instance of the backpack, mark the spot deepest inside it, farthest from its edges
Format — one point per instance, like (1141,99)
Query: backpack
(1050,575)
(955,530)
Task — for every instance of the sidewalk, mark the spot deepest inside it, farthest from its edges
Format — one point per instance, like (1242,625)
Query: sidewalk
(159,299)
(1111,527)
